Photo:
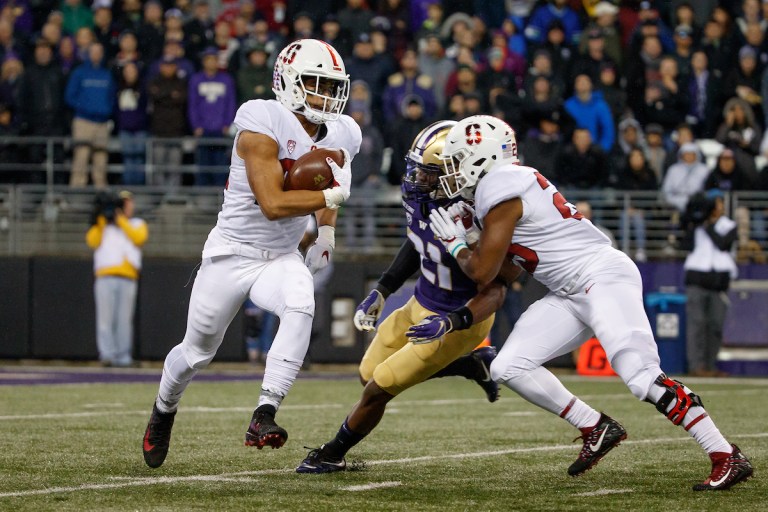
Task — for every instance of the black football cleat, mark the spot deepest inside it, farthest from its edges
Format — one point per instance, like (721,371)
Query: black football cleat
(157,437)
(606,435)
(317,461)
(728,469)
(485,356)
(263,431)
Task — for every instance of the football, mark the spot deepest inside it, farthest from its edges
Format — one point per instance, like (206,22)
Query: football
(311,171)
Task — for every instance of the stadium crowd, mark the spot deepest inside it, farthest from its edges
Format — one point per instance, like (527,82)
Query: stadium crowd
(601,93)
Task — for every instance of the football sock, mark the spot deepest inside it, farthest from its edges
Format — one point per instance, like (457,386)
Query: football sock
(343,442)
(697,423)
(541,387)
(286,356)
(580,415)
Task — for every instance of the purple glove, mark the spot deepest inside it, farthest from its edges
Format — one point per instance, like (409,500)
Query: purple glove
(369,311)
(430,329)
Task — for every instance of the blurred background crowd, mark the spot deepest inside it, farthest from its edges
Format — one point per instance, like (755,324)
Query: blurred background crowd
(601,93)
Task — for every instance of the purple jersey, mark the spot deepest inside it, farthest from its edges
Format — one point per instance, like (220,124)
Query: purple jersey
(442,286)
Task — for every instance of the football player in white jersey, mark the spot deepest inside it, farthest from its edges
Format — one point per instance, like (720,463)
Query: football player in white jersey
(594,290)
(252,252)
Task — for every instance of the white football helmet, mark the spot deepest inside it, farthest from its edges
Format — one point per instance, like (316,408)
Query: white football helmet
(472,147)
(311,68)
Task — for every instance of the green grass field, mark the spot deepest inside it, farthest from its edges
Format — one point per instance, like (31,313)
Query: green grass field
(440,447)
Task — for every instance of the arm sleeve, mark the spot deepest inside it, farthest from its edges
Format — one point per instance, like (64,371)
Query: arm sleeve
(94,234)
(723,242)
(406,263)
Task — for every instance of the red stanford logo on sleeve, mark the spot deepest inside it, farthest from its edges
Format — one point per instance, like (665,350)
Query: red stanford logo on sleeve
(291,146)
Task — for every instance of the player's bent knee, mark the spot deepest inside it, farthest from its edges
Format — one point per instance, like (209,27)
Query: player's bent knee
(196,358)
(504,369)
(386,379)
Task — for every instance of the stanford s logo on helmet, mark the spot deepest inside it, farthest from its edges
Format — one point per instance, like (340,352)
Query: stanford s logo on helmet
(472,148)
(309,68)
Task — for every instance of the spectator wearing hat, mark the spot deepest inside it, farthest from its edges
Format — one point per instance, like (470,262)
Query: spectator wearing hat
(90,92)
(589,110)
(582,164)
(366,170)
(254,78)
(544,15)
(408,82)
(434,63)
(104,29)
(332,33)
(629,136)
(740,133)
(212,101)
(167,93)
(41,103)
(703,92)
(684,178)
(150,32)
(132,122)
(173,50)
(76,15)
(604,20)
(198,32)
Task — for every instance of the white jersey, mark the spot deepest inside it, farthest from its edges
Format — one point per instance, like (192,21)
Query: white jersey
(241,219)
(552,241)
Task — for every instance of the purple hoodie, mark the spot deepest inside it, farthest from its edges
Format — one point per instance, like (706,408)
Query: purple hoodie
(212,102)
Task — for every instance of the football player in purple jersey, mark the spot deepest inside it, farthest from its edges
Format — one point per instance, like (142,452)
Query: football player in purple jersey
(435,332)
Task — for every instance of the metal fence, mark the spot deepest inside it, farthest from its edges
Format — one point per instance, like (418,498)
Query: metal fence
(53,220)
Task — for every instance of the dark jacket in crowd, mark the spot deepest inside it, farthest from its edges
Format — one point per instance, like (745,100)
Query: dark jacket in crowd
(168,106)
(581,170)
(41,101)
(131,110)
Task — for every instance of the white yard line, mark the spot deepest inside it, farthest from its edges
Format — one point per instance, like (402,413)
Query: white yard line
(242,475)
(603,492)
(368,487)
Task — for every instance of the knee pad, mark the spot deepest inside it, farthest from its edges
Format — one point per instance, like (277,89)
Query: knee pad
(386,379)
(676,400)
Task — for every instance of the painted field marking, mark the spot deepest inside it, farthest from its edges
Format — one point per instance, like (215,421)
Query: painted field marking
(371,486)
(238,476)
(603,492)
(510,397)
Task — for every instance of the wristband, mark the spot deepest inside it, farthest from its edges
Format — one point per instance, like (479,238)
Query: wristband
(461,318)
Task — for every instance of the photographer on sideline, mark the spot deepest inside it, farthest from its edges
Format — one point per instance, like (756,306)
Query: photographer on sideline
(709,269)
(116,238)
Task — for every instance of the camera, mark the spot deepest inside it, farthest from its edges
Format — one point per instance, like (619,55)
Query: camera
(106,204)
(698,209)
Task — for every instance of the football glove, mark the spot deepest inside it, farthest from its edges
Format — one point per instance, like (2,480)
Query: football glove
(451,233)
(342,177)
(466,213)
(369,311)
(430,329)
(319,253)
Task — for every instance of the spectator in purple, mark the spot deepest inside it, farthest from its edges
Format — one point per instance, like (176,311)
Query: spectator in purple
(67,55)
(423,11)
(211,110)
(554,10)
(409,81)
(589,110)
(132,123)
(22,14)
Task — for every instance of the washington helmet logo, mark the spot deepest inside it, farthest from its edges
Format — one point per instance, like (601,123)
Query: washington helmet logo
(473,134)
